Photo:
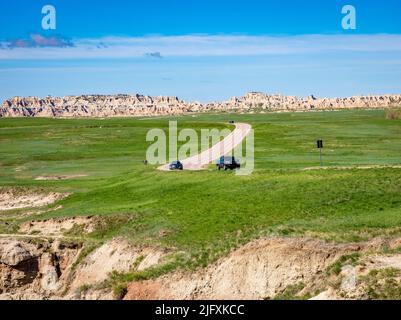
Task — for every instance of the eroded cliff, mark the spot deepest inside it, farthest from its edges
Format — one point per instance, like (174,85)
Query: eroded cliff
(103,106)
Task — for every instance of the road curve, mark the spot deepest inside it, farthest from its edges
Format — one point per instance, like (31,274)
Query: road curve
(199,161)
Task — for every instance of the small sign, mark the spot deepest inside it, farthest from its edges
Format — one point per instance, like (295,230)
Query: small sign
(320,144)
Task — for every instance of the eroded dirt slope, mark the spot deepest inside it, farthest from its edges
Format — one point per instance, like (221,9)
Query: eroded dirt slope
(255,271)
(266,268)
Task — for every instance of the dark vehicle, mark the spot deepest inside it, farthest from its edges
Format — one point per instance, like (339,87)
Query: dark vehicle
(176,165)
(228,163)
(231,121)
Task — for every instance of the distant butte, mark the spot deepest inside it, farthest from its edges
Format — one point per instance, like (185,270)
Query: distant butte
(103,106)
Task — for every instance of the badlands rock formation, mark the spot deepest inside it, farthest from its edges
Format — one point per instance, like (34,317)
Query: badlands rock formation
(138,105)
(261,101)
(92,106)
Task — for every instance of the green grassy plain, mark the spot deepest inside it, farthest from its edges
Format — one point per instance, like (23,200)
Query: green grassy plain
(205,214)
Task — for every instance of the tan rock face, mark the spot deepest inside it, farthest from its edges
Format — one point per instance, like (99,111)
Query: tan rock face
(258,270)
(91,106)
(257,100)
(102,106)
(12,253)
(112,256)
(32,270)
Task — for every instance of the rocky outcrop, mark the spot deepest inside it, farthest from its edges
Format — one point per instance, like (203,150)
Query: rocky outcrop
(52,269)
(92,106)
(13,253)
(30,270)
(102,106)
(261,101)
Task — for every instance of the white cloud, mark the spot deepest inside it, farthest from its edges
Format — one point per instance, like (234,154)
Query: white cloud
(207,45)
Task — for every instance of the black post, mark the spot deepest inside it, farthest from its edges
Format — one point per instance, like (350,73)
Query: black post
(320,147)
(321,160)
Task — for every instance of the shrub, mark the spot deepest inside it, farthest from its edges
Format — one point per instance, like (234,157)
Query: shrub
(336,267)
(383,284)
(292,292)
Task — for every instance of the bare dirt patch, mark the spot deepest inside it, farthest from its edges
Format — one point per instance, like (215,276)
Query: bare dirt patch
(366,167)
(383,262)
(54,227)
(60,177)
(11,199)
(116,255)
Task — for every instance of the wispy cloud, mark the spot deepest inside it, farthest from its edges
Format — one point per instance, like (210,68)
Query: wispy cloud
(38,41)
(39,47)
(102,45)
(157,55)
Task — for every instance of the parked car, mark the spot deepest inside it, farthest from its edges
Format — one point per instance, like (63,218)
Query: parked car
(231,121)
(228,163)
(176,165)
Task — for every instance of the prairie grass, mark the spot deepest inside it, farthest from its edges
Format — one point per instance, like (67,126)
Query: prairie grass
(207,214)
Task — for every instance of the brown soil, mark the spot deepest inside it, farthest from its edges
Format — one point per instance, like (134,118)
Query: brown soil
(11,199)
(261,269)
(258,270)
(367,167)
(116,255)
(62,177)
(54,227)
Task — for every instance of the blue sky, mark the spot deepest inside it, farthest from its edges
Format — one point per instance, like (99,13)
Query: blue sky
(200,50)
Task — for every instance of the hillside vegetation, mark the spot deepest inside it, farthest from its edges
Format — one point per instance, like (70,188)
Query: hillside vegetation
(203,215)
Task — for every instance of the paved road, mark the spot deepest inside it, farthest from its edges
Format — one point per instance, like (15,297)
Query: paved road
(199,161)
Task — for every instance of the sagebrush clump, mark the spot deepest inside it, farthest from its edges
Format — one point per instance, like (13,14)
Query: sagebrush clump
(393,114)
